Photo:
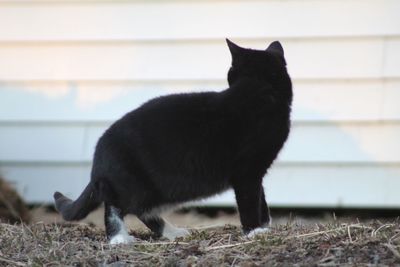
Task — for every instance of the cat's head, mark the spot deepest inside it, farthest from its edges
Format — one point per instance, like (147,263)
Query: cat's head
(267,65)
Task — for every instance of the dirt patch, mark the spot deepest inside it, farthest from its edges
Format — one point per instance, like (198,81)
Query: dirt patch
(334,244)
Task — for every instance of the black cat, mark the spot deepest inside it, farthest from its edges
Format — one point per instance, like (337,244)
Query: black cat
(183,147)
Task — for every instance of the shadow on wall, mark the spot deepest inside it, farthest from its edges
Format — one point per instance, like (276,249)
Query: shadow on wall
(324,163)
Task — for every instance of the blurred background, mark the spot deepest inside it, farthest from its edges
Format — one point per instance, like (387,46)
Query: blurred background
(69,68)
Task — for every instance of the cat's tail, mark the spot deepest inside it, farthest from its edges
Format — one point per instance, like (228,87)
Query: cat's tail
(80,208)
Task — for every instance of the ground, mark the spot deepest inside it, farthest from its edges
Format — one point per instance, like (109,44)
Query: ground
(293,242)
(12,207)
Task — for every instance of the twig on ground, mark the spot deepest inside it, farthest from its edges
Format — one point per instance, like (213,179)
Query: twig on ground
(349,234)
(373,234)
(343,227)
(230,246)
(160,243)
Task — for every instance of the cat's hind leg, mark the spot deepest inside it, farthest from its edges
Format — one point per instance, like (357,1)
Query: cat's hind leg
(162,228)
(171,232)
(115,227)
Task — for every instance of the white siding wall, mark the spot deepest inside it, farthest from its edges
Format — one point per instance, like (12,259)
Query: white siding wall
(69,68)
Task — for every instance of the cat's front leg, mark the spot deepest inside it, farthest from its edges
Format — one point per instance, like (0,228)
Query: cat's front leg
(248,198)
(265,217)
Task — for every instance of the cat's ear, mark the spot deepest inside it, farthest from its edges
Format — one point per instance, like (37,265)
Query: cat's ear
(234,48)
(276,47)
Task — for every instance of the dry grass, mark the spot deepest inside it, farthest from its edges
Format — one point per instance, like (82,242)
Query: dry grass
(12,206)
(374,243)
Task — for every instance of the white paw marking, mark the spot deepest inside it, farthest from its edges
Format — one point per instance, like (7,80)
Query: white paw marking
(257,231)
(171,232)
(121,238)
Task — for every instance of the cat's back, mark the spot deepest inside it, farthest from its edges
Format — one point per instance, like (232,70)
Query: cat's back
(174,114)
(178,104)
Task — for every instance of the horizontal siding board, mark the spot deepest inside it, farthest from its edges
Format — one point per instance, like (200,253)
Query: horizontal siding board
(328,186)
(111,62)
(344,100)
(308,143)
(391,100)
(323,100)
(72,101)
(42,143)
(307,59)
(286,186)
(155,20)
(392,57)
(343,143)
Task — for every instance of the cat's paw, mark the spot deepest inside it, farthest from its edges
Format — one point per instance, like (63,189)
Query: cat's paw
(258,231)
(172,232)
(121,239)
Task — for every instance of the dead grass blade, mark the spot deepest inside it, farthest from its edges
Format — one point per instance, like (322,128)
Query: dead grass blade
(395,252)
(229,246)
(15,263)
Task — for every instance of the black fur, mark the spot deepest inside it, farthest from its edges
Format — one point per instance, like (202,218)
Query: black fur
(79,209)
(184,147)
